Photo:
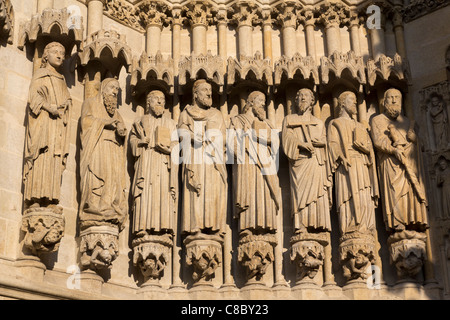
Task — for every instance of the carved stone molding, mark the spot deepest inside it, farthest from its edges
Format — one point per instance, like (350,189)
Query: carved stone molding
(407,253)
(290,68)
(307,253)
(338,62)
(151,253)
(386,67)
(108,47)
(204,253)
(357,254)
(254,70)
(152,71)
(57,24)
(99,247)
(419,8)
(124,13)
(201,66)
(255,253)
(44,229)
(6,20)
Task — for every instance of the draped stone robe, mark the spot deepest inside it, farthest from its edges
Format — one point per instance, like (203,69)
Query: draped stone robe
(155,176)
(47,136)
(401,184)
(257,194)
(102,168)
(309,174)
(204,175)
(356,190)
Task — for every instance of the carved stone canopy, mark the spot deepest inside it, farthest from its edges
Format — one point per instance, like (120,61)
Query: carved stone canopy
(109,48)
(152,71)
(60,25)
(293,69)
(201,66)
(249,71)
(387,69)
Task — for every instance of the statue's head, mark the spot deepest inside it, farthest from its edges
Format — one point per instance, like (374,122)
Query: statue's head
(392,103)
(304,100)
(202,94)
(110,94)
(54,55)
(256,101)
(347,102)
(156,100)
(436,100)
(443,164)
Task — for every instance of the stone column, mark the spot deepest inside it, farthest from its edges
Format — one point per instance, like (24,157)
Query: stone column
(332,35)
(222,23)
(153,18)
(287,18)
(267,35)
(44,4)
(377,39)
(308,20)
(397,21)
(95,16)
(176,53)
(245,16)
(199,16)
(353,29)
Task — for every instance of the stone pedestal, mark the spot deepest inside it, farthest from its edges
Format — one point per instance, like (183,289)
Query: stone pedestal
(204,253)
(31,267)
(255,253)
(99,247)
(151,255)
(90,281)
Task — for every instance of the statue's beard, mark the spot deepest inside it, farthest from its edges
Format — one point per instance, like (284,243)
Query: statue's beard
(303,107)
(110,102)
(393,110)
(351,110)
(157,110)
(259,113)
(204,102)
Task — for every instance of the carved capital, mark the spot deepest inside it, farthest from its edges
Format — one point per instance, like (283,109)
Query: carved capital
(153,13)
(123,12)
(333,14)
(198,13)
(287,14)
(307,17)
(245,14)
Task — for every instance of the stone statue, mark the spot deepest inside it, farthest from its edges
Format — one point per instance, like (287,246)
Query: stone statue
(47,133)
(439,119)
(400,168)
(155,185)
(103,206)
(401,172)
(443,182)
(352,159)
(204,179)
(46,151)
(257,194)
(304,143)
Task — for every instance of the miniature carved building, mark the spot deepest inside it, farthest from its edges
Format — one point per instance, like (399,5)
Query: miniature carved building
(225,149)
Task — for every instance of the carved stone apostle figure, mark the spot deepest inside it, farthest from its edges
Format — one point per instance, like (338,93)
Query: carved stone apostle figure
(155,185)
(401,184)
(304,143)
(204,179)
(47,134)
(352,159)
(103,207)
(439,119)
(257,194)
(46,152)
